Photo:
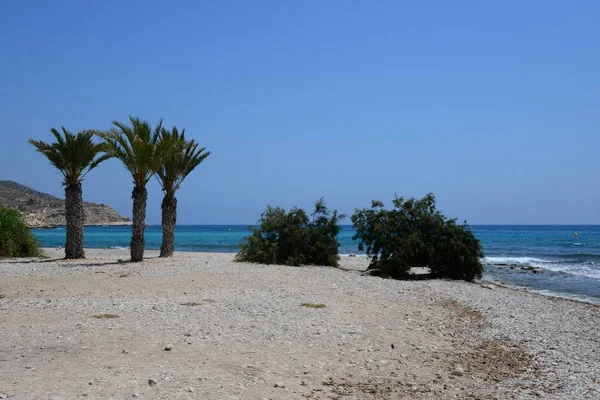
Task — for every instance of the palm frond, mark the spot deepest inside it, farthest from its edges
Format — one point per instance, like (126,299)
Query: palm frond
(136,145)
(184,157)
(74,155)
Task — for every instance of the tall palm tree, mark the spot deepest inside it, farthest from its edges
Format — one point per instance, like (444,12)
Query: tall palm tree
(74,156)
(185,157)
(138,147)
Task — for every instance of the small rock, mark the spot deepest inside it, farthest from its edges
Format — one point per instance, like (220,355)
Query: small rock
(152,382)
(169,347)
(458,371)
(191,389)
(488,287)
(303,383)
(279,385)
(135,395)
(3,396)
(187,335)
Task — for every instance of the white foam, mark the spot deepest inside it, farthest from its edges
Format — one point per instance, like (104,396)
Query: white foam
(512,260)
(574,269)
(588,269)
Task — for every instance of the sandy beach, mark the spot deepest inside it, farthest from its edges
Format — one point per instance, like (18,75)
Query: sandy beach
(200,326)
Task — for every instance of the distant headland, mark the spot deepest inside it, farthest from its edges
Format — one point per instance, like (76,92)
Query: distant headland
(42,210)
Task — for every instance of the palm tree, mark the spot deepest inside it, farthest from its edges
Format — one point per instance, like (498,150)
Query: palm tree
(74,156)
(138,148)
(185,157)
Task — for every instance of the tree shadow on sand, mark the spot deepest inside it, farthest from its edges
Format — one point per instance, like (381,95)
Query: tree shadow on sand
(76,262)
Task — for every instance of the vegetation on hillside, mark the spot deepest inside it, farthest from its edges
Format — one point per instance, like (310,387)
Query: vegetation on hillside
(415,234)
(16,240)
(44,210)
(294,238)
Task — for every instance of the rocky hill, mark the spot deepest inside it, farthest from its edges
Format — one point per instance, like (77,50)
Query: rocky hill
(41,210)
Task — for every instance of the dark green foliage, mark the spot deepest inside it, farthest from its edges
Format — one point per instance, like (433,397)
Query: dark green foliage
(73,155)
(415,234)
(16,240)
(294,238)
(185,156)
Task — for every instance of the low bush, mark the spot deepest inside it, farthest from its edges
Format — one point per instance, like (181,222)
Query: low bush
(16,240)
(294,238)
(415,234)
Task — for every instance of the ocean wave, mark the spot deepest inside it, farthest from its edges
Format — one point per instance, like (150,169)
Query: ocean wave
(119,248)
(512,260)
(583,269)
(587,268)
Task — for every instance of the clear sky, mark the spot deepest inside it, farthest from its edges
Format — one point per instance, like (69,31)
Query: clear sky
(492,106)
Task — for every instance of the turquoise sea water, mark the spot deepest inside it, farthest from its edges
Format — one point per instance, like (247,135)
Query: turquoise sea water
(570,265)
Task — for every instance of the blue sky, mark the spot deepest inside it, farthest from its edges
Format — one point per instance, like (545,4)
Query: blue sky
(492,106)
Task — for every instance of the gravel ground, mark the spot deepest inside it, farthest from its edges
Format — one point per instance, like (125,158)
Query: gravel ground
(201,326)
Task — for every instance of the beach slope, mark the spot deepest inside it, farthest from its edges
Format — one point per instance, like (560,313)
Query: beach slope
(202,326)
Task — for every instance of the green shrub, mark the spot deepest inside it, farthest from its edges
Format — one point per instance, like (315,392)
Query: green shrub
(16,240)
(415,234)
(294,238)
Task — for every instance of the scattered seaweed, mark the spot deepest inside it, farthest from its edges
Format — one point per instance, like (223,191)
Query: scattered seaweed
(312,305)
(191,304)
(105,316)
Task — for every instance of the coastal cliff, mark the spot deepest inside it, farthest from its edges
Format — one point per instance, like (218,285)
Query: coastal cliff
(42,210)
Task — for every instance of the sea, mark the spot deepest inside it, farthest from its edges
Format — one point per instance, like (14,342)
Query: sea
(566,258)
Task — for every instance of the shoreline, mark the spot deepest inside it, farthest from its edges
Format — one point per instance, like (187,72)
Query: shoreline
(124,223)
(551,295)
(483,280)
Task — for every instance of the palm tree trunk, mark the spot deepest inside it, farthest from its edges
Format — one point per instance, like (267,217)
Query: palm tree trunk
(74,216)
(169,220)
(138,243)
